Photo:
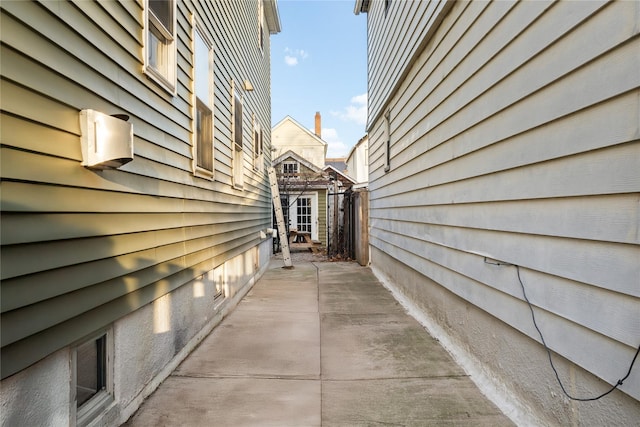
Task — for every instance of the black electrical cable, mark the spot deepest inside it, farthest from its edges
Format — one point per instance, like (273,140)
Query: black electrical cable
(618,383)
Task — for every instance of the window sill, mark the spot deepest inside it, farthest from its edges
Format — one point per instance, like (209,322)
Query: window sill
(203,173)
(160,80)
(93,408)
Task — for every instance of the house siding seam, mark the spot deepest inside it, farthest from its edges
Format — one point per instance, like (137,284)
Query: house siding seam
(514,136)
(84,249)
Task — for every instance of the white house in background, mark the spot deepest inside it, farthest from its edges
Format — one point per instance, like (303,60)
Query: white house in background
(299,162)
(504,154)
(358,162)
(288,134)
(111,275)
(303,193)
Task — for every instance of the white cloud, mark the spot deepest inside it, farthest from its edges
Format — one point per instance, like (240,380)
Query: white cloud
(290,60)
(359,99)
(293,56)
(330,135)
(355,112)
(336,147)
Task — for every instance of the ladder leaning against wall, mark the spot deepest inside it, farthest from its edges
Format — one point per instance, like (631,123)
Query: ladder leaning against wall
(277,206)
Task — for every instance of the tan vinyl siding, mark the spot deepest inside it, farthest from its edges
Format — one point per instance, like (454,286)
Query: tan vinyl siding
(82,248)
(322,216)
(515,136)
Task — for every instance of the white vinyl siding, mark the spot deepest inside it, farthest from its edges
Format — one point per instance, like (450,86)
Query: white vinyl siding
(290,135)
(389,53)
(515,136)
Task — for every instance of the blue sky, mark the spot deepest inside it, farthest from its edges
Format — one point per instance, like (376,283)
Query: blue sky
(319,63)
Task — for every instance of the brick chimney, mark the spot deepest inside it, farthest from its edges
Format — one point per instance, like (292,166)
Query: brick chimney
(318,125)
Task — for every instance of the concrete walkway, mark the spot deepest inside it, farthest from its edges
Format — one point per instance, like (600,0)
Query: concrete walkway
(324,344)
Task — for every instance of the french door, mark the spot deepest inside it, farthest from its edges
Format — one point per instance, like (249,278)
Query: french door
(303,214)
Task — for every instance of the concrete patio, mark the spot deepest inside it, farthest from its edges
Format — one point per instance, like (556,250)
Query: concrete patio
(323,344)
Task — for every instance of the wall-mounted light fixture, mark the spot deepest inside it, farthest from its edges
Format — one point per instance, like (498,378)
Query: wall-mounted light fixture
(247,85)
(107,141)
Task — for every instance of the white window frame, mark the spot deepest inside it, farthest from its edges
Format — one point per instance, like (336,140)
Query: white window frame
(237,150)
(258,146)
(293,213)
(261,35)
(202,172)
(97,404)
(165,78)
(286,174)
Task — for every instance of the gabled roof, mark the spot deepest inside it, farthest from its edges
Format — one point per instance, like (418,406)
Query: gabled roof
(338,163)
(290,119)
(291,155)
(331,169)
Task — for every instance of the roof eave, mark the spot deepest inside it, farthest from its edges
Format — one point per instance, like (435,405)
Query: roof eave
(292,154)
(362,6)
(272,16)
(304,129)
(347,177)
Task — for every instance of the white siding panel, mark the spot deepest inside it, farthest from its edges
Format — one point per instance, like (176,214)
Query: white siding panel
(492,58)
(515,136)
(601,218)
(607,265)
(559,99)
(596,127)
(572,300)
(565,177)
(389,57)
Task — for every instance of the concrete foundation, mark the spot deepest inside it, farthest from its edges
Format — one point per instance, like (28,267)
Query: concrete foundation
(511,368)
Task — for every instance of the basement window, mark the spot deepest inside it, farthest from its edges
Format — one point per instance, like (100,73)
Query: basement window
(92,360)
